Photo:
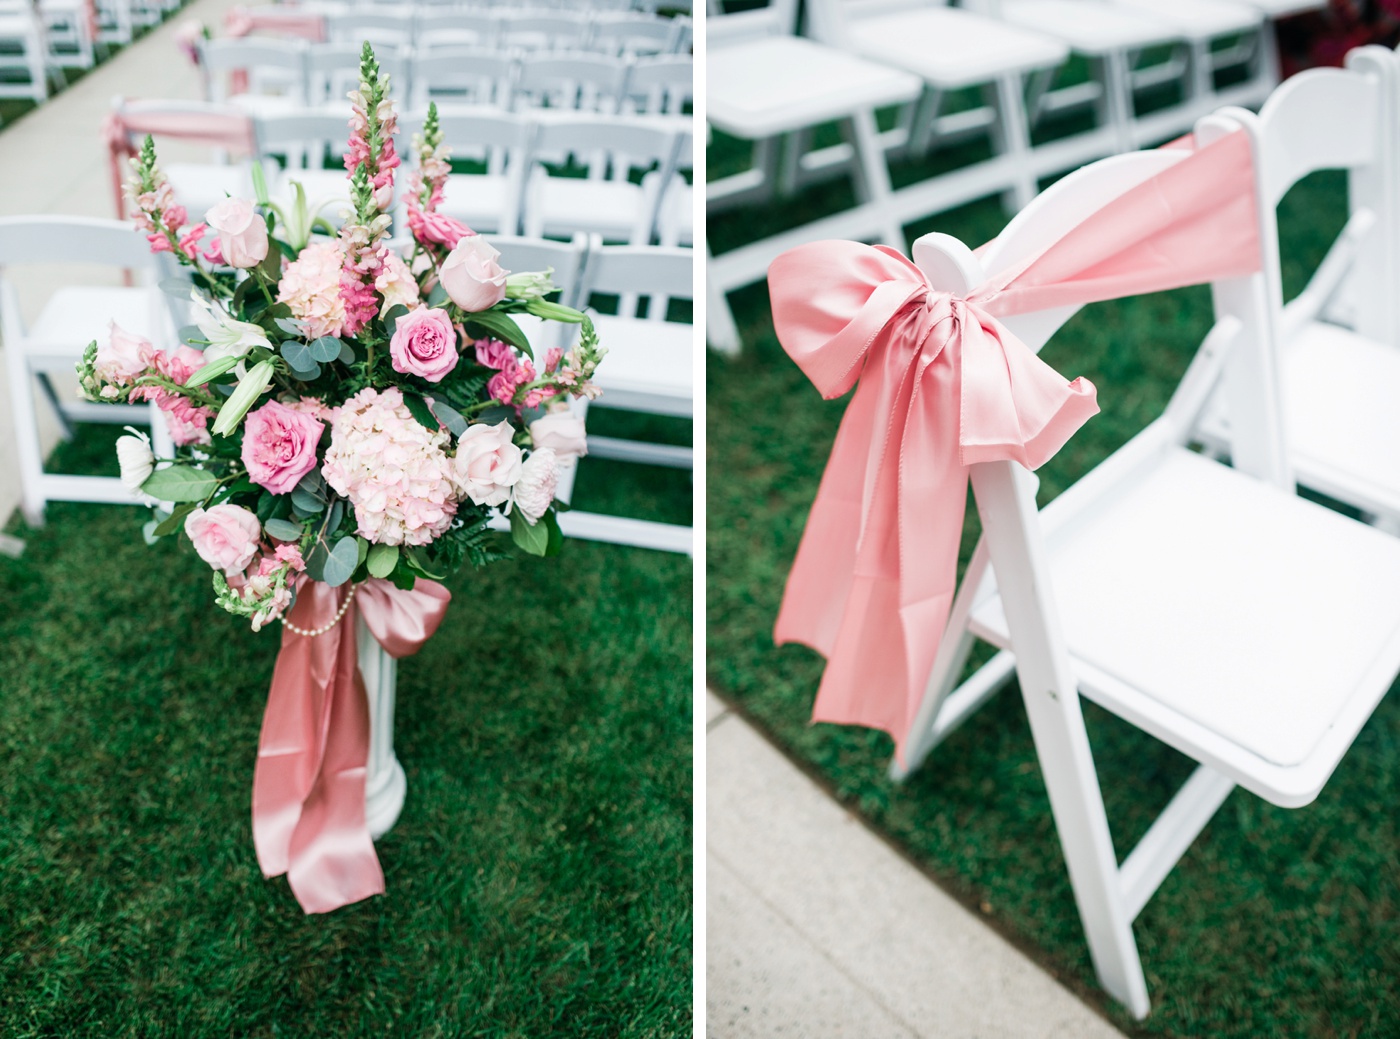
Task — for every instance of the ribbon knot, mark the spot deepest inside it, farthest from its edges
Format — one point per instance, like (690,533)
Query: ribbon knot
(941,385)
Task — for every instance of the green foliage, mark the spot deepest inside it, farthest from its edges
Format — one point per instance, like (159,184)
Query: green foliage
(180,483)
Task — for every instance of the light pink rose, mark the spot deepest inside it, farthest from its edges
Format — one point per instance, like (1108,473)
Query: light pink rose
(242,232)
(471,276)
(125,356)
(226,536)
(279,446)
(487,465)
(424,343)
(560,432)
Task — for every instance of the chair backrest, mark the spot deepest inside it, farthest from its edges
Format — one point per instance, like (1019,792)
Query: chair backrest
(498,138)
(254,55)
(580,81)
(632,33)
(662,273)
(538,254)
(73,239)
(333,69)
(455,27)
(379,24)
(778,18)
(303,135)
(603,142)
(663,84)
(543,29)
(462,72)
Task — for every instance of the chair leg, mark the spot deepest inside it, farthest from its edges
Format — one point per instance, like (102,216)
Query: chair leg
(1011,137)
(65,426)
(1118,98)
(873,181)
(27,447)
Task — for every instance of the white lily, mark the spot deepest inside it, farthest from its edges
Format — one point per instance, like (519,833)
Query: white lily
(135,458)
(228,337)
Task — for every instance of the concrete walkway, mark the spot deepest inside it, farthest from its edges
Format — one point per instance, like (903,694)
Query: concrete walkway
(816,928)
(54,160)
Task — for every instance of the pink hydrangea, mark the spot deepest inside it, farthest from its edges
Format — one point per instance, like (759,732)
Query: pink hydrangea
(311,287)
(395,282)
(394,470)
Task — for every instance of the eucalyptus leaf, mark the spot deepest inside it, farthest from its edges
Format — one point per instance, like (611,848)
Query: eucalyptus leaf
(501,326)
(193,335)
(532,538)
(337,514)
(284,530)
(382,559)
(289,325)
(313,483)
(438,296)
(213,370)
(391,317)
(179,483)
(316,561)
(347,354)
(249,388)
(170,524)
(363,553)
(450,417)
(307,503)
(324,349)
(298,355)
(340,562)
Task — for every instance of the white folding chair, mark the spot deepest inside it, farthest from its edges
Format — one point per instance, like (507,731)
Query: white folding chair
(26,51)
(459,73)
(71,318)
(275,69)
(675,213)
(764,84)
(1338,359)
(663,84)
(333,69)
(570,80)
(383,24)
(605,202)
(632,34)
(648,368)
(1252,630)
(68,33)
(491,200)
(310,142)
(542,29)
(457,27)
(114,22)
(537,254)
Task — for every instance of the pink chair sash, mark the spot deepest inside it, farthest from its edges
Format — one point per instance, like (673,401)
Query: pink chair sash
(120,128)
(942,384)
(309,783)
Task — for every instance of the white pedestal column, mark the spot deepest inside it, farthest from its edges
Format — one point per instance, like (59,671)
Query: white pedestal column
(385,783)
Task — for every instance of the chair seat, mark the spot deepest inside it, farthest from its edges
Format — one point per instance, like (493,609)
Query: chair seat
(564,205)
(1249,628)
(647,360)
(760,88)
(75,316)
(1285,8)
(201,186)
(1342,402)
(1200,19)
(1089,26)
(951,48)
(479,200)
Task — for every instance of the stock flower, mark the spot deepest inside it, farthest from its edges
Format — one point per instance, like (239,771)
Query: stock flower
(471,276)
(533,492)
(242,232)
(226,536)
(279,446)
(561,432)
(311,287)
(135,458)
(487,463)
(394,470)
(424,344)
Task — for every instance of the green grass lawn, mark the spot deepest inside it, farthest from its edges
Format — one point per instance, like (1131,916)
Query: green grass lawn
(539,879)
(1276,922)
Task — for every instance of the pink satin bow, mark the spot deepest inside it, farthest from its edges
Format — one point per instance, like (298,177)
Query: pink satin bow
(233,132)
(309,783)
(942,384)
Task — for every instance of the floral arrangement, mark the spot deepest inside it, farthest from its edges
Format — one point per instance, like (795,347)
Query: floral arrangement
(340,409)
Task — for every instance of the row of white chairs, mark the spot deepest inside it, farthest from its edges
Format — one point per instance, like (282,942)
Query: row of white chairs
(772,87)
(627,181)
(648,367)
(294,72)
(41,39)
(647,6)
(1206,603)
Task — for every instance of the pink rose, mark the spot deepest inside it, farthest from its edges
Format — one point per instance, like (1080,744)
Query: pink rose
(560,432)
(279,446)
(125,357)
(437,228)
(487,464)
(242,232)
(471,276)
(226,537)
(424,343)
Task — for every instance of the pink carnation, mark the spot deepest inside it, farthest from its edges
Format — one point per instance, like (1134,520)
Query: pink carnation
(432,228)
(494,354)
(395,471)
(311,287)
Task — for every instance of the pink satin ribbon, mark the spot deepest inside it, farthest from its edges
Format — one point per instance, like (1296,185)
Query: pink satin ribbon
(309,783)
(240,21)
(942,384)
(216,129)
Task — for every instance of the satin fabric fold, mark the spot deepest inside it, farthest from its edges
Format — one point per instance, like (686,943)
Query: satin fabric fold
(941,384)
(309,782)
(231,132)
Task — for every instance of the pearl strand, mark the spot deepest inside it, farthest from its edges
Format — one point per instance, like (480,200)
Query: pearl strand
(325,627)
